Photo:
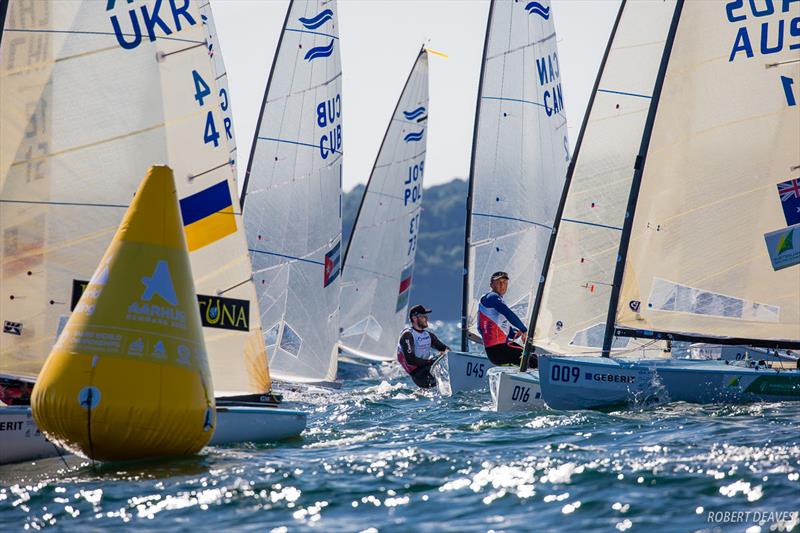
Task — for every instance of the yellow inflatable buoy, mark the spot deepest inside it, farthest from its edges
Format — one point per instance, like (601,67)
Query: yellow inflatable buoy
(128,377)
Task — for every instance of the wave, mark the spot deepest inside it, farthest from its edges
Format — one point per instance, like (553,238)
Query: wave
(539,9)
(315,22)
(411,115)
(414,136)
(319,51)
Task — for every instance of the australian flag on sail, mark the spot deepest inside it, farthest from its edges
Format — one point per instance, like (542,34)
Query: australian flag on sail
(405,288)
(332,263)
(789,192)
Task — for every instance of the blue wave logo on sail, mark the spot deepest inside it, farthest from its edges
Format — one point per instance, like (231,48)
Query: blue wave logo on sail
(414,136)
(539,9)
(315,22)
(411,115)
(319,51)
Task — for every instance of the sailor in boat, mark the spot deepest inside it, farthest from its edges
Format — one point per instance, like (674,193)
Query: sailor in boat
(417,348)
(499,326)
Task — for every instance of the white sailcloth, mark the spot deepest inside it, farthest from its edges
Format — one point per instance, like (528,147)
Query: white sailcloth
(221,76)
(292,197)
(520,153)
(93,93)
(714,249)
(574,306)
(379,263)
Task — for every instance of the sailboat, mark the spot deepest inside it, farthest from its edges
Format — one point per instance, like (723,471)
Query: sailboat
(568,316)
(378,263)
(710,244)
(72,148)
(519,156)
(292,197)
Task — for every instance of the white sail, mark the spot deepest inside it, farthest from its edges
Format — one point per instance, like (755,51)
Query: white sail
(109,89)
(574,306)
(292,197)
(221,76)
(379,263)
(714,249)
(520,154)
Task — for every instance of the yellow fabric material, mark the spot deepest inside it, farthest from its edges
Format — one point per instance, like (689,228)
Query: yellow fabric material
(210,229)
(128,377)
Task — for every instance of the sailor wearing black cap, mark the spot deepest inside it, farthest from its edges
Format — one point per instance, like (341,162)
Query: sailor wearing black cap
(499,326)
(415,349)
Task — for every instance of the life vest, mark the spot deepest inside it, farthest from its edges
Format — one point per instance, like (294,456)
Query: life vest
(493,326)
(422,347)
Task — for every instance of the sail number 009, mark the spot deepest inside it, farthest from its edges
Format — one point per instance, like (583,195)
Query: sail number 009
(565,373)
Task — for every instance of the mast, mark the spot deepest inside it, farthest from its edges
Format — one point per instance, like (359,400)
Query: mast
(264,105)
(637,181)
(3,10)
(529,347)
(383,141)
(470,188)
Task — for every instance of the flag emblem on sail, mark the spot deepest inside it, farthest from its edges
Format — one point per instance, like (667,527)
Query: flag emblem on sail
(405,288)
(208,216)
(316,21)
(332,265)
(789,192)
(784,247)
(414,136)
(319,51)
(539,9)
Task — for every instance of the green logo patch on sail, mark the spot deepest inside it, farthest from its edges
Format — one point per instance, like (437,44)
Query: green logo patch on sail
(783,247)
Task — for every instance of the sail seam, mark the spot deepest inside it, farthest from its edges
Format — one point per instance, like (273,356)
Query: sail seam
(295,142)
(502,217)
(106,33)
(293,258)
(313,33)
(649,97)
(595,224)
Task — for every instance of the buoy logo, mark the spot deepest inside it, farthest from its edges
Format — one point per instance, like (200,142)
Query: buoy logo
(159,352)
(89,397)
(160,283)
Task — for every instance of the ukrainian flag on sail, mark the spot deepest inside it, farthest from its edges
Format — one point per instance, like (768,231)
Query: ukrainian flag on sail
(208,216)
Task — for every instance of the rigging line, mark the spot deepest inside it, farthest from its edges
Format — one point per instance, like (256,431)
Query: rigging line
(293,258)
(162,56)
(219,293)
(534,43)
(779,63)
(313,33)
(72,204)
(294,142)
(108,33)
(225,164)
(511,100)
(502,217)
(221,76)
(595,224)
(624,93)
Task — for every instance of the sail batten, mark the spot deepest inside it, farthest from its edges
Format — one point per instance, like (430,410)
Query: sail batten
(292,197)
(379,260)
(519,158)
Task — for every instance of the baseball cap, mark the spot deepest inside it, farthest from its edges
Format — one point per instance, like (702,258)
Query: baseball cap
(499,275)
(418,310)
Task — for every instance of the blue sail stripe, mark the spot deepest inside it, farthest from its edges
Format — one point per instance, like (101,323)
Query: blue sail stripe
(293,142)
(109,33)
(624,93)
(511,100)
(313,33)
(531,222)
(293,258)
(410,115)
(319,51)
(595,224)
(539,9)
(414,136)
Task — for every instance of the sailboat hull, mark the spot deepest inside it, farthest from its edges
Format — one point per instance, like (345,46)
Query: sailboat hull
(21,440)
(595,382)
(513,390)
(460,372)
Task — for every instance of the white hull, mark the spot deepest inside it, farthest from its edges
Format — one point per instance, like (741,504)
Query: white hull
(21,440)
(513,390)
(460,371)
(256,424)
